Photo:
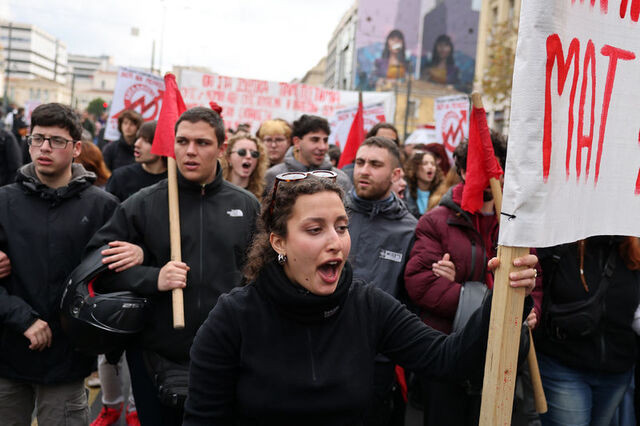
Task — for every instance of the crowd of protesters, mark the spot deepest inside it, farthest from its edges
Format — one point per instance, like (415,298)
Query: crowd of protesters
(312,294)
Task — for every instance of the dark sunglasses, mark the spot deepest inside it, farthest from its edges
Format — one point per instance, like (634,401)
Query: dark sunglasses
(242,152)
(296,176)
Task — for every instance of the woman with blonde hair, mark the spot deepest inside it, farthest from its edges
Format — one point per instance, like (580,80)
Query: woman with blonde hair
(245,163)
(276,135)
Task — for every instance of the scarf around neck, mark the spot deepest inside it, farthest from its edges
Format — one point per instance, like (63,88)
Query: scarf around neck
(298,303)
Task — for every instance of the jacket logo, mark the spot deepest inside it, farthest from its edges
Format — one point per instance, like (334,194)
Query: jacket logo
(84,220)
(390,255)
(235,213)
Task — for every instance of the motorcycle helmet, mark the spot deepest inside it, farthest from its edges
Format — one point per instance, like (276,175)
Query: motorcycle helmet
(99,322)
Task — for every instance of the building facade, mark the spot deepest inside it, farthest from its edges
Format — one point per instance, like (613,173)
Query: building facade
(341,54)
(493,14)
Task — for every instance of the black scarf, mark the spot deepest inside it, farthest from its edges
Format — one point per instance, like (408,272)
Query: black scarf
(297,302)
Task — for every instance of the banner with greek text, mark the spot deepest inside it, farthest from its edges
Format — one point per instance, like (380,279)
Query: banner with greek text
(573,160)
(254,101)
(136,90)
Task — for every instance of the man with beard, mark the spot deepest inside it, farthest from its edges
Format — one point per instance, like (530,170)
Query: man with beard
(120,153)
(309,151)
(381,224)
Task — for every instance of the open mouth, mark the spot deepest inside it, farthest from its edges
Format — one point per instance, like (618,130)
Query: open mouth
(330,271)
(191,165)
(136,153)
(246,166)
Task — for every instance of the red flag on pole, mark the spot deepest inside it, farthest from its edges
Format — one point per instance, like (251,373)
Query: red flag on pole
(355,138)
(481,162)
(172,107)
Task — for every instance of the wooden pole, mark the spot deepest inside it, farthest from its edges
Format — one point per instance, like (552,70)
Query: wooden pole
(174,233)
(504,333)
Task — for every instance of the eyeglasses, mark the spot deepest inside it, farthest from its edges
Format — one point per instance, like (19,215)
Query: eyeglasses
(274,140)
(55,142)
(242,152)
(296,176)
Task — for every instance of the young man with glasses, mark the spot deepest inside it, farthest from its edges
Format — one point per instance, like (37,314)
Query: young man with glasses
(217,220)
(46,219)
(309,151)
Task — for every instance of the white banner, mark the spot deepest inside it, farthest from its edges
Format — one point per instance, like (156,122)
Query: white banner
(136,90)
(342,120)
(254,101)
(452,121)
(572,168)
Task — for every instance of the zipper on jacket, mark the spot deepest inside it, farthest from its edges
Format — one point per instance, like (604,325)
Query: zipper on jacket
(313,363)
(473,259)
(201,246)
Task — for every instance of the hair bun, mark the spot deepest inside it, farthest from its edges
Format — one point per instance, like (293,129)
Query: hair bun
(217,108)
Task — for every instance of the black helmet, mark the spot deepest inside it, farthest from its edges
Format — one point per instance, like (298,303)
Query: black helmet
(95,322)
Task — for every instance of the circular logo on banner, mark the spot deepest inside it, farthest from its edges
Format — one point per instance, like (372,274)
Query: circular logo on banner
(453,129)
(142,98)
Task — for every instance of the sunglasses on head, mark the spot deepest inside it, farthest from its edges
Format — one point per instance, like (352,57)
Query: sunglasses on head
(297,176)
(242,152)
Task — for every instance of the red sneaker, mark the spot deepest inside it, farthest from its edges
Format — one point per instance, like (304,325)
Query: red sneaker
(108,416)
(132,418)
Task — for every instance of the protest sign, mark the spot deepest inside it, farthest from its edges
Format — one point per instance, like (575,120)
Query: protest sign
(424,135)
(254,101)
(452,121)
(572,166)
(138,91)
(341,121)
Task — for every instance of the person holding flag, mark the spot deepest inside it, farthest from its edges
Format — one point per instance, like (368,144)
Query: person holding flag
(453,243)
(216,220)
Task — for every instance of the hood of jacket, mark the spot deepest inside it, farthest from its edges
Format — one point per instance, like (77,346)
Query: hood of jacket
(391,208)
(293,164)
(80,179)
(453,199)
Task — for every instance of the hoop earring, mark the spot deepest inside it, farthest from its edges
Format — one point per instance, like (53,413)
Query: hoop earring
(282,258)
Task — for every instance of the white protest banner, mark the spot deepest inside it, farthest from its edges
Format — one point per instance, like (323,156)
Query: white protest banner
(136,90)
(254,101)
(342,120)
(424,135)
(573,159)
(452,121)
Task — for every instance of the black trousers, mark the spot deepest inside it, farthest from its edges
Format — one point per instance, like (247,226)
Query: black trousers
(150,410)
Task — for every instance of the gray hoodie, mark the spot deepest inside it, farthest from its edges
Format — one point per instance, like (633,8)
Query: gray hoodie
(290,164)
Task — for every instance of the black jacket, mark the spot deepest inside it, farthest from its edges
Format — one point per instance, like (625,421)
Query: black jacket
(612,348)
(117,154)
(43,231)
(258,359)
(127,180)
(10,157)
(216,224)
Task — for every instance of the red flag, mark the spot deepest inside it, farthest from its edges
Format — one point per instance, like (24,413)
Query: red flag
(355,138)
(481,162)
(172,107)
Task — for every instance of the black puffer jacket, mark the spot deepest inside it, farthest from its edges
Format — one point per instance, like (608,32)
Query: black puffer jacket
(216,223)
(612,348)
(44,231)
